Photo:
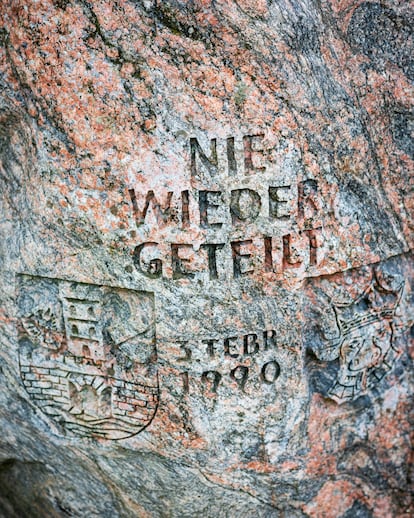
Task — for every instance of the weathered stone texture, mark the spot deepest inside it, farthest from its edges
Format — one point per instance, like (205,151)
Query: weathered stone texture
(207,279)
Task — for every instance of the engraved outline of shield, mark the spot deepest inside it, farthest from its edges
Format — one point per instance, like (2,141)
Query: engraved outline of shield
(78,356)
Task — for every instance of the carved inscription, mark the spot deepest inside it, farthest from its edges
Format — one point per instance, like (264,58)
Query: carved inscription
(87,355)
(364,341)
(249,358)
(272,225)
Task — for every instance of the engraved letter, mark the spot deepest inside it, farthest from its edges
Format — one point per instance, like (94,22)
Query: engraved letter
(178,267)
(250,344)
(212,257)
(268,262)
(269,336)
(290,257)
(249,152)
(211,164)
(307,196)
(244,204)
(163,214)
(205,203)
(313,245)
(240,375)
(185,211)
(227,345)
(277,201)
(154,268)
(188,352)
(270,372)
(237,257)
(231,157)
(212,378)
(210,346)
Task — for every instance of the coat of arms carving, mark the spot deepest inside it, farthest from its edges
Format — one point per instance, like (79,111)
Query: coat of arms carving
(87,355)
(364,339)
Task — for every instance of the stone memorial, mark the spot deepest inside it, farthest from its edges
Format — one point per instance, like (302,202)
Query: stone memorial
(207,276)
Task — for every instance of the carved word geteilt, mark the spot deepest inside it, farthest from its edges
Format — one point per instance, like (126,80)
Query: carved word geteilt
(87,355)
(365,340)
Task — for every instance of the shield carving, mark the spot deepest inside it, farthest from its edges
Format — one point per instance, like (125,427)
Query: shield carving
(88,356)
(365,340)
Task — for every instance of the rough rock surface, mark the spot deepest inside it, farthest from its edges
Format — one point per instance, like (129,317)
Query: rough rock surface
(207,273)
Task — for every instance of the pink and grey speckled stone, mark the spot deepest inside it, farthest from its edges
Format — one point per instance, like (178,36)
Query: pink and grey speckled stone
(207,269)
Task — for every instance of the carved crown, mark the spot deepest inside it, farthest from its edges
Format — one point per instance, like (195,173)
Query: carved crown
(374,305)
(377,303)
